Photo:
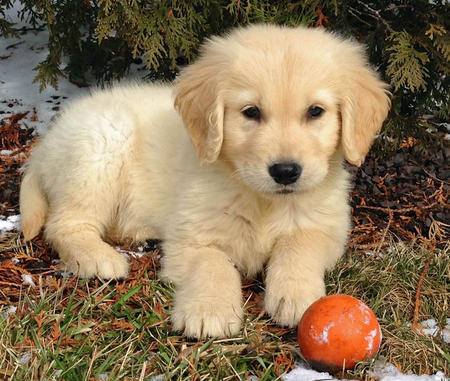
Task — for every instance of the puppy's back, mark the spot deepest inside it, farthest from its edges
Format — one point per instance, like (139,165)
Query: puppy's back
(94,136)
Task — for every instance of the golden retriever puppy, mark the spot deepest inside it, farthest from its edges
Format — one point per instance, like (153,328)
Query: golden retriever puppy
(250,174)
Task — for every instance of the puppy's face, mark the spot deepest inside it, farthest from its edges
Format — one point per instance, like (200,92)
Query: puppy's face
(280,134)
(277,105)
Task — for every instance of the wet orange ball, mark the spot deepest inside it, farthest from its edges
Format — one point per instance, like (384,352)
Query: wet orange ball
(338,331)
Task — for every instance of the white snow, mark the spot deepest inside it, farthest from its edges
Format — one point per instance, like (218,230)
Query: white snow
(370,338)
(323,336)
(27,280)
(9,224)
(159,377)
(445,333)
(58,373)
(367,313)
(11,310)
(17,75)
(385,371)
(130,253)
(16,78)
(24,358)
(429,327)
(301,373)
(382,371)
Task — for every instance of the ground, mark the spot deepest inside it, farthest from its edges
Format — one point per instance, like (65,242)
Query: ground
(54,326)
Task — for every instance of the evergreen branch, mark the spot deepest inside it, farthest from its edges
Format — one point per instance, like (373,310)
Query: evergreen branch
(406,65)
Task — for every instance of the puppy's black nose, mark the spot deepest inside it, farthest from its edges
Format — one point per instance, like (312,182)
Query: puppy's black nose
(285,173)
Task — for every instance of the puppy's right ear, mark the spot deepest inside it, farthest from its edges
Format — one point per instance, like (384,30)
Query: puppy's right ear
(197,98)
(365,103)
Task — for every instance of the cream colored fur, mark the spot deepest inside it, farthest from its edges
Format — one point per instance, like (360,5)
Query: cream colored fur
(119,165)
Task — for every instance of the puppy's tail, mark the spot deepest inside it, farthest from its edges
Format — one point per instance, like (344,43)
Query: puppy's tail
(33,205)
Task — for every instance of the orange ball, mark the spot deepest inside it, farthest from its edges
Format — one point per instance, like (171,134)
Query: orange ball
(338,331)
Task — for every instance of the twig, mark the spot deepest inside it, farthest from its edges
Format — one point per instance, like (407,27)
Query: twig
(354,12)
(374,13)
(383,237)
(415,324)
(402,210)
(29,29)
(232,367)
(395,7)
(142,375)
(434,177)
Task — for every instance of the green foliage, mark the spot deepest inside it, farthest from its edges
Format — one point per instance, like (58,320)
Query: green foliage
(407,66)
(408,41)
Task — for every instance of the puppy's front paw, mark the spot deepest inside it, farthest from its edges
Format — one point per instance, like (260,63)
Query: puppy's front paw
(106,264)
(203,317)
(286,301)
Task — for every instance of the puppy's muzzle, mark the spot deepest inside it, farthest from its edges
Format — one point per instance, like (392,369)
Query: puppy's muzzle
(285,173)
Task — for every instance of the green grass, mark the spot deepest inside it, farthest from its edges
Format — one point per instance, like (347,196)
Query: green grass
(78,330)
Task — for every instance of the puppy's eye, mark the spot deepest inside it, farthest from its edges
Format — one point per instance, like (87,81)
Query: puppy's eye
(315,111)
(252,113)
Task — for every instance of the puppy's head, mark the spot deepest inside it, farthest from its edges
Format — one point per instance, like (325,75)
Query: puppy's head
(279,104)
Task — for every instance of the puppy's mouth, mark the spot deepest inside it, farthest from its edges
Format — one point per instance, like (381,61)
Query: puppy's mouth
(284,191)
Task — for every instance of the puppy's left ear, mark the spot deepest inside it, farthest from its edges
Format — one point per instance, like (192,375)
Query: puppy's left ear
(201,107)
(364,107)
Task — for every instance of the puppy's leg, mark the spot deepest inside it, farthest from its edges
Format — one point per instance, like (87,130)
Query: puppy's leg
(295,273)
(77,236)
(208,299)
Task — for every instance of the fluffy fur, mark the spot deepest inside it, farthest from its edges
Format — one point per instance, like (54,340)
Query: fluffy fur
(119,165)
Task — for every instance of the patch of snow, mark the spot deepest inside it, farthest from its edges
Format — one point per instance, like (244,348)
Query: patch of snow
(382,371)
(27,280)
(23,54)
(22,360)
(321,337)
(139,254)
(369,338)
(159,377)
(371,252)
(301,373)
(429,327)
(124,253)
(385,371)
(130,253)
(366,311)
(58,373)
(445,125)
(11,310)
(9,224)
(324,335)
(445,333)
(16,77)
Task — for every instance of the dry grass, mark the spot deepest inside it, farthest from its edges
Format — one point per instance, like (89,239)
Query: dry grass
(71,329)
(388,283)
